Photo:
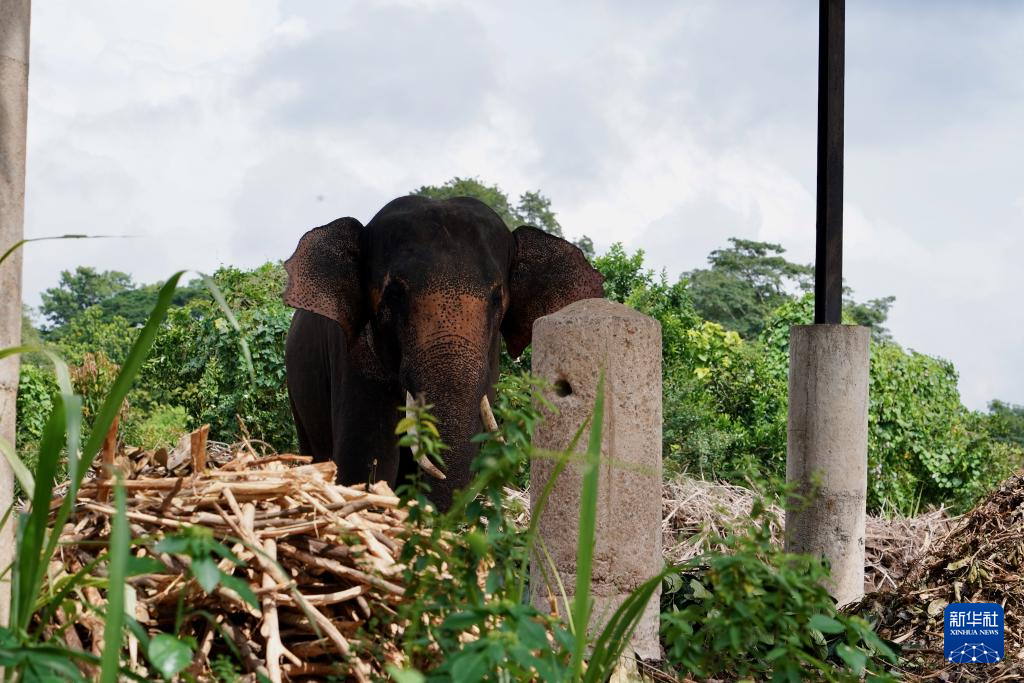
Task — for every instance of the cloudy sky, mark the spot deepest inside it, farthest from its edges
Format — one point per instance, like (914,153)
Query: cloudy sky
(218,132)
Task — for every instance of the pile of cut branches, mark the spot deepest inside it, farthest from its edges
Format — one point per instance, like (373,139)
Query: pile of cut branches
(696,511)
(981,560)
(263,561)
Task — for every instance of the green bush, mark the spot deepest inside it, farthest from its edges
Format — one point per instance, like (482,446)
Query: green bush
(755,611)
(924,446)
(161,426)
(198,362)
(94,331)
(36,387)
(726,401)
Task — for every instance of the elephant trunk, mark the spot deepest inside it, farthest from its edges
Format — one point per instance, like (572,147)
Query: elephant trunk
(422,459)
(453,381)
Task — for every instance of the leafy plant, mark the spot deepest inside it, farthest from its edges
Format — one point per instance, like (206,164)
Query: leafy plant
(467,568)
(756,611)
(218,376)
(162,426)
(198,544)
(37,539)
(26,652)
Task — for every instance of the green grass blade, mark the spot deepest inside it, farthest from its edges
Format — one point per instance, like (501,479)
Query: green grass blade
(218,296)
(120,546)
(60,368)
(21,471)
(112,404)
(615,635)
(13,248)
(533,530)
(588,521)
(553,569)
(59,433)
(49,604)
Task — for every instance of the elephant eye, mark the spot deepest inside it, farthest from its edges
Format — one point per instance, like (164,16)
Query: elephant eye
(496,297)
(393,299)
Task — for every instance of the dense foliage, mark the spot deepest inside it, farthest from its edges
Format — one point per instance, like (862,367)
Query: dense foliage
(725,332)
(754,610)
(199,364)
(533,207)
(1007,422)
(726,401)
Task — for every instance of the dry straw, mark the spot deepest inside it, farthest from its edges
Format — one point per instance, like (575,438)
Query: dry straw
(321,558)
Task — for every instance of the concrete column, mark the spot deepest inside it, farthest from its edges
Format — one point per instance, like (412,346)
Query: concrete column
(14,33)
(569,349)
(827,453)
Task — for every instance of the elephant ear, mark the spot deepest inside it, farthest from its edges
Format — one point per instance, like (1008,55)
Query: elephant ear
(323,274)
(548,273)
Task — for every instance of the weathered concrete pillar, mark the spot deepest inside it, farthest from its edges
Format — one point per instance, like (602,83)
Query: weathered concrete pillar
(569,349)
(827,453)
(14,32)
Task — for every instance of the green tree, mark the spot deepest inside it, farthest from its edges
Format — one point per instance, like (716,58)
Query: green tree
(94,331)
(873,313)
(198,363)
(79,290)
(1006,422)
(491,195)
(135,304)
(745,283)
(533,208)
(749,280)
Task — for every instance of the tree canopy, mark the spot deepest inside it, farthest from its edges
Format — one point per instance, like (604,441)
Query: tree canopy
(533,207)
(725,355)
(79,290)
(114,292)
(749,279)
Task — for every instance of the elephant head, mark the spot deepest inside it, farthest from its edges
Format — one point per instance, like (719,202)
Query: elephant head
(427,289)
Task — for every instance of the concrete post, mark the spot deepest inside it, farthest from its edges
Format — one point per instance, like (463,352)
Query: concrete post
(14,32)
(827,452)
(569,349)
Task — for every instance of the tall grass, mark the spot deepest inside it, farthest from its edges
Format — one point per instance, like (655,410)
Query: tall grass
(25,652)
(582,602)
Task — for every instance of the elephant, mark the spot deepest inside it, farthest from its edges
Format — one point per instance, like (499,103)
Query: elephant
(414,303)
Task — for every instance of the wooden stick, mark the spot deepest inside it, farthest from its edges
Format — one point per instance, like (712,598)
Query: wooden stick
(339,569)
(198,449)
(329,598)
(325,624)
(107,458)
(270,630)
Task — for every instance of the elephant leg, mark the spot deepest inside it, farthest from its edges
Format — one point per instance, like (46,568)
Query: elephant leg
(366,446)
(314,353)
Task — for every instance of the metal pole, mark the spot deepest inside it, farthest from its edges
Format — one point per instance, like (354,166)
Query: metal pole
(14,35)
(828,261)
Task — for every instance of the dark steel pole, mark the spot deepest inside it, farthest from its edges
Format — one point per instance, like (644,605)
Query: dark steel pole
(828,259)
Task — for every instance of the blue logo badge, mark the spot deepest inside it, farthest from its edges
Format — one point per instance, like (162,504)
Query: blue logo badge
(973,633)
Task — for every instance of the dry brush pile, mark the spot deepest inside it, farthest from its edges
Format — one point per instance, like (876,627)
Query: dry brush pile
(980,560)
(318,562)
(696,511)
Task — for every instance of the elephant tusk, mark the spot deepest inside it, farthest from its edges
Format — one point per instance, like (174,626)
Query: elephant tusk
(487,415)
(421,458)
